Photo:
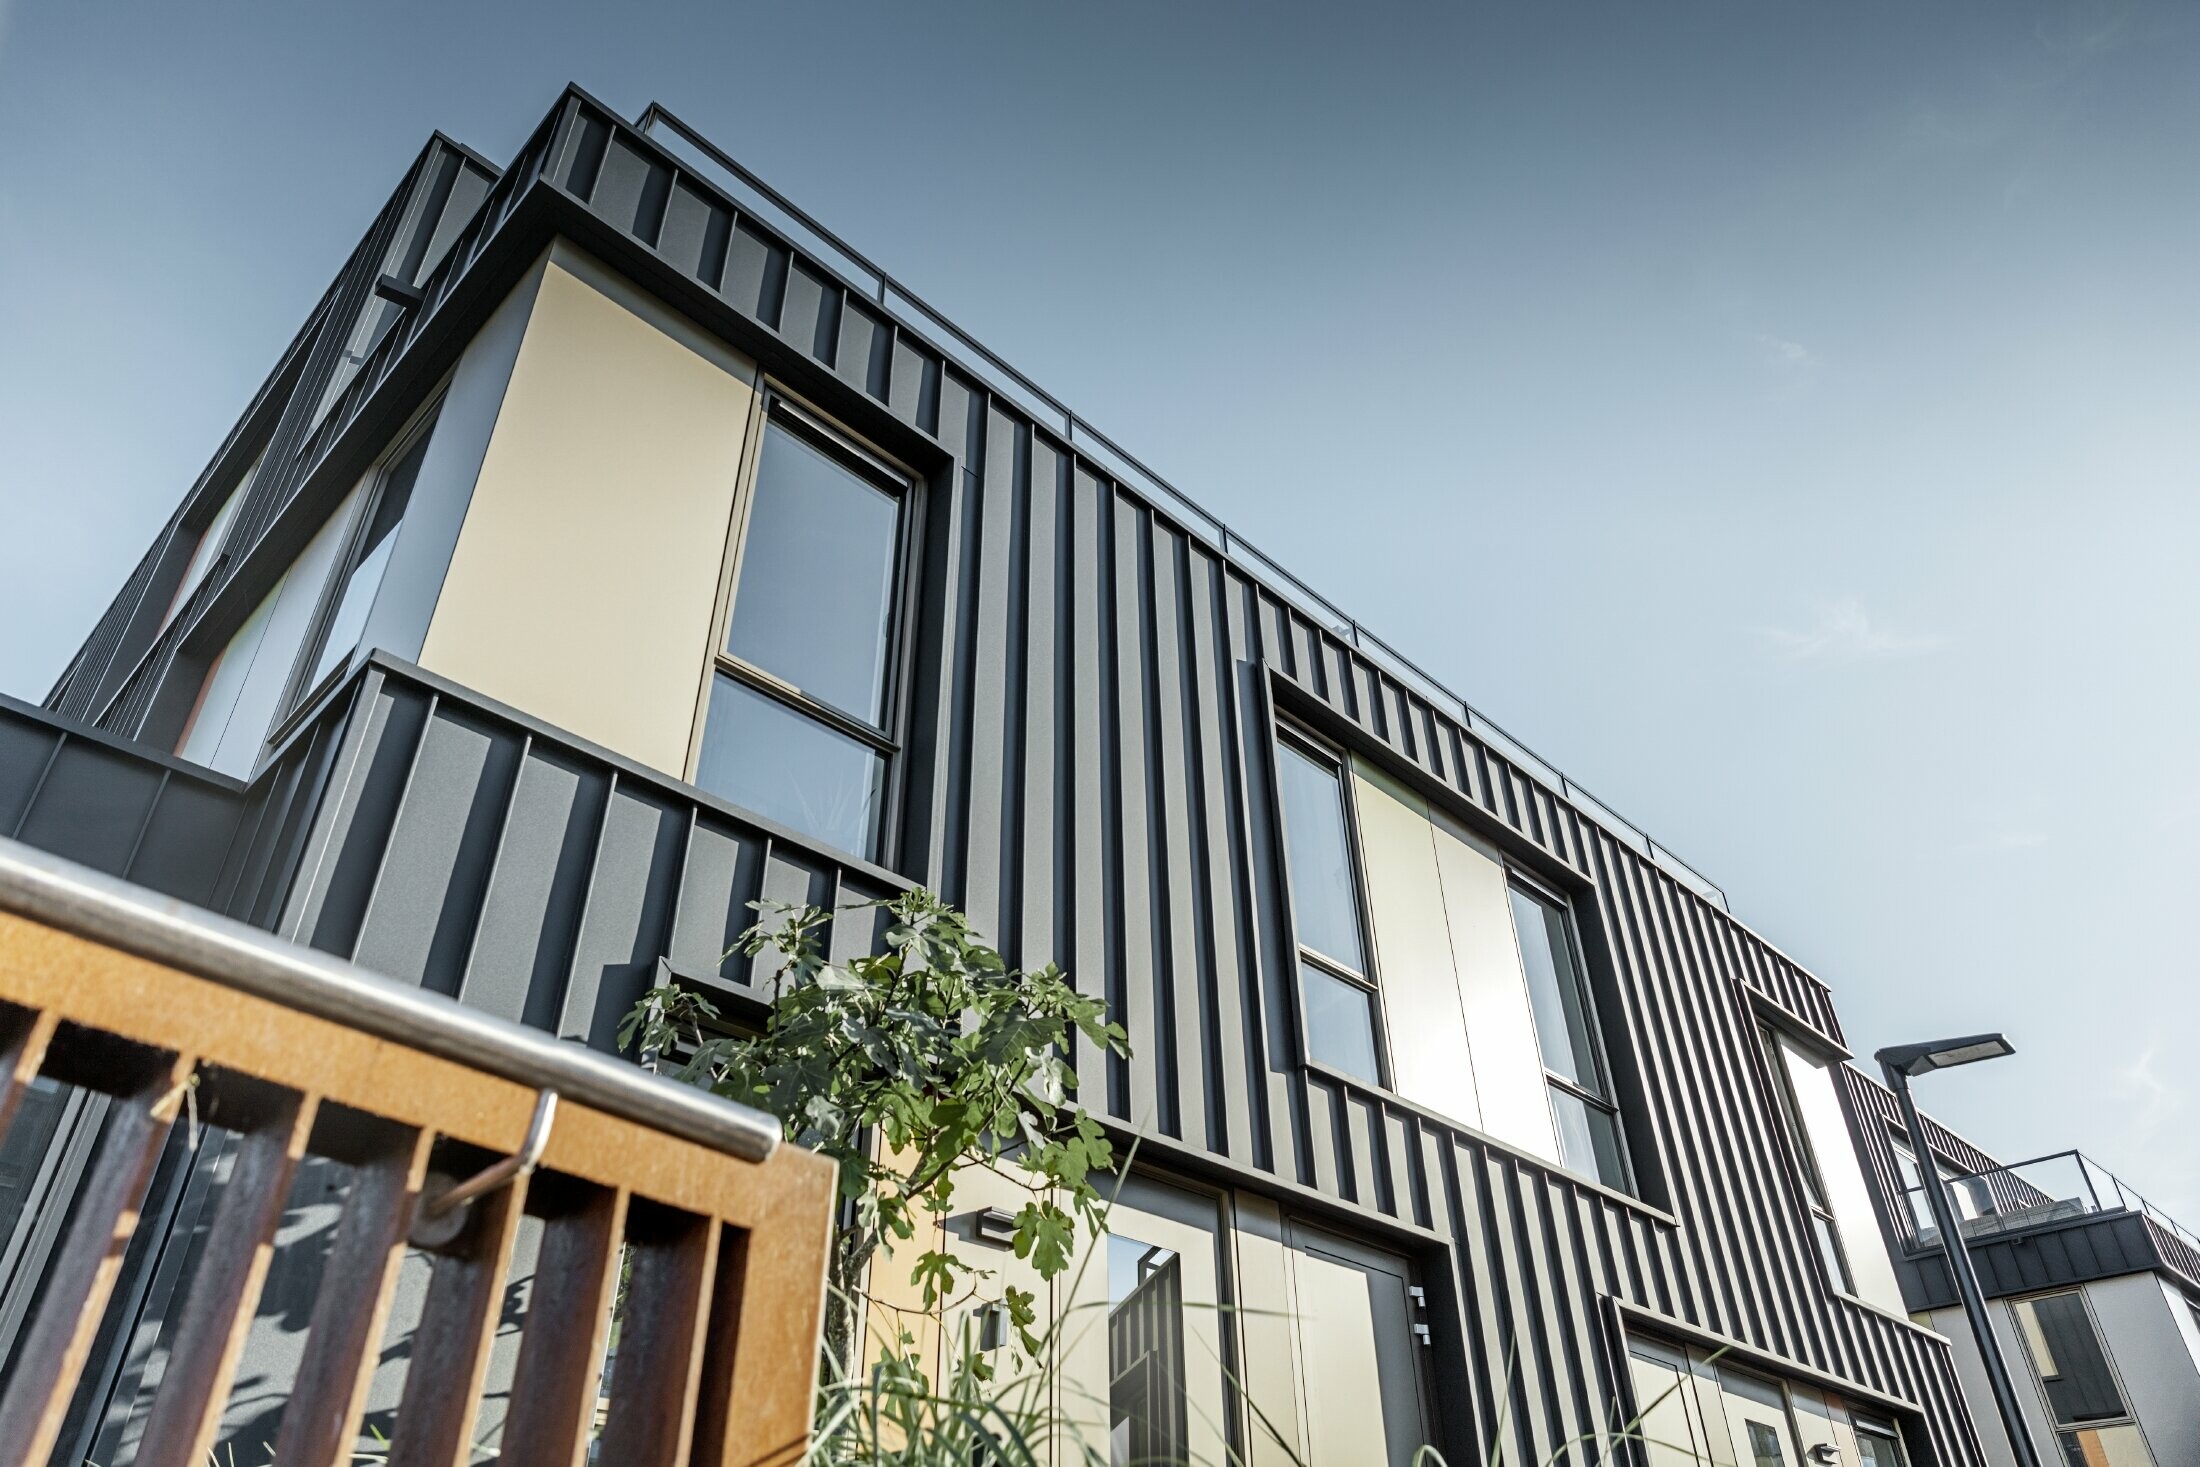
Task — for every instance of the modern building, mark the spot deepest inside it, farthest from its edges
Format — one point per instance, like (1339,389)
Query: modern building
(2093,1292)
(614,546)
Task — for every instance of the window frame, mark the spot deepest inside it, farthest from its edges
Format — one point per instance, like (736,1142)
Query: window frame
(1802,1159)
(1305,743)
(1517,879)
(2056,1427)
(303,690)
(773,405)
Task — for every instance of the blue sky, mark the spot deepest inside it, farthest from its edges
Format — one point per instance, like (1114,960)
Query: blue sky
(1783,418)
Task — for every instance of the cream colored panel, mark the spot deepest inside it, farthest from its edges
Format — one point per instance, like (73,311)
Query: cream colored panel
(1141,1334)
(1843,1175)
(1430,1062)
(1757,1419)
(582,585)
(1358,1376)
(1666,1425)
(1266,1332)
(1508,1068)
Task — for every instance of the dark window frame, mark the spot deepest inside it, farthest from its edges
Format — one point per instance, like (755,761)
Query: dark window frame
(2060,1428)
(776,408)
(1321,751)
(1600,1039)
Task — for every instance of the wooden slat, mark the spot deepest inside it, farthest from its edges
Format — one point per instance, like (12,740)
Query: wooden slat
(321,1420)
(760,1370)
(561,1345)
(658,1372)
(225,1290)
(52,1350)
(450,1347)
(24,1036)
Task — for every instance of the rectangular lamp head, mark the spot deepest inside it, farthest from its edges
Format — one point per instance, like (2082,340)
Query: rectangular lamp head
(1944,1054)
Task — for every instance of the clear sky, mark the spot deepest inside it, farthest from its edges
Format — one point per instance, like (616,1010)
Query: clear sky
(1783,417)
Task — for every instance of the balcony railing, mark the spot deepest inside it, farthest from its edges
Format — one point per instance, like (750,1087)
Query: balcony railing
(2047,1189)
(674,1219)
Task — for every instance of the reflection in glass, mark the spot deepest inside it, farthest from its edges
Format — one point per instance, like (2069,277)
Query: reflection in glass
(1147,1417)
(1588,1139)
(2106,1446)
(1340,1023)
(1554,985)
(1878,1447)
(1764,1446)
(765,757)
(2067,1356)
(815,600)
(1323,895)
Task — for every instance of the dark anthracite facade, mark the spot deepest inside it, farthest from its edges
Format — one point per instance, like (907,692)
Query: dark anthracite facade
(1077,740)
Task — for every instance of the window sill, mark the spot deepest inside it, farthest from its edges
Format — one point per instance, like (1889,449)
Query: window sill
(1392,1098)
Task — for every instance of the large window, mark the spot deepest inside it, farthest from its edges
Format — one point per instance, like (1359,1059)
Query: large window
(2092,1424)
(1809,1173)
(1336,987)
(1971,1196)
(1582,1111)
(798,726)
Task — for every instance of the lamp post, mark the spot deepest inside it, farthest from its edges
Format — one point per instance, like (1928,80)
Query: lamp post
(1901,1062)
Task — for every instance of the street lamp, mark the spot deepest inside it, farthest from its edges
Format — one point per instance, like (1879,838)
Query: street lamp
(1901,1062)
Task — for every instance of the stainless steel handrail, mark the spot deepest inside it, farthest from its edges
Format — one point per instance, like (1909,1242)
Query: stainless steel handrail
(93,905)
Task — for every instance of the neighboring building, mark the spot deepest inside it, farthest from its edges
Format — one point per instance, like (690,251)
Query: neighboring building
(2094,1293)
(614,547)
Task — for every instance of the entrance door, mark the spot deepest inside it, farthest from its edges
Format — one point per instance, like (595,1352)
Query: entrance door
(1143,1359)
(1359,1366)
(1668,1424)
(1757,1418)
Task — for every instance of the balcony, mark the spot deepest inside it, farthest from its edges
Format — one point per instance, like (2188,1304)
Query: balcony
(2056,1219)
(675,1221)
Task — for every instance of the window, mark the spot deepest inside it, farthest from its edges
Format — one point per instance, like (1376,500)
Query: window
(365,565)
(210,545)
(1806,1162)
(1336,992)
(1587,1122)
(1878,1444)
(1971,1196)
(797,727)
(2091,1422)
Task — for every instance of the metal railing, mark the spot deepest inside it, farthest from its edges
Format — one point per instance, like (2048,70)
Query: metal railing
(676,1219)
(859,273)
(2046,1189)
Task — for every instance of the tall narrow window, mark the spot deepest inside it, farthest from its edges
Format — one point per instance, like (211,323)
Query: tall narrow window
(798,723)
(1806,1163)
(1336,991)
(1878,1444)
(367,562)
(2092,1423)
(1580,1085)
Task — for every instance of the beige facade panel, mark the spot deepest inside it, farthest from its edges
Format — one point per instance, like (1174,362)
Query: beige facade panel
(582,585)
(1431,1062)
(1493,992)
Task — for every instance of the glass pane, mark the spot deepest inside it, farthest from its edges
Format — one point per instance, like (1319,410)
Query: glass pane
(1829,1247)
(1340,1023)
(1554,985)
(2067,1357)
(1878,1448)
(815,600)
(349,623)
(1323,895)
(1146,1407)
(1764,1446)
(1588,1139)
(2106,1446)
(788,767)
